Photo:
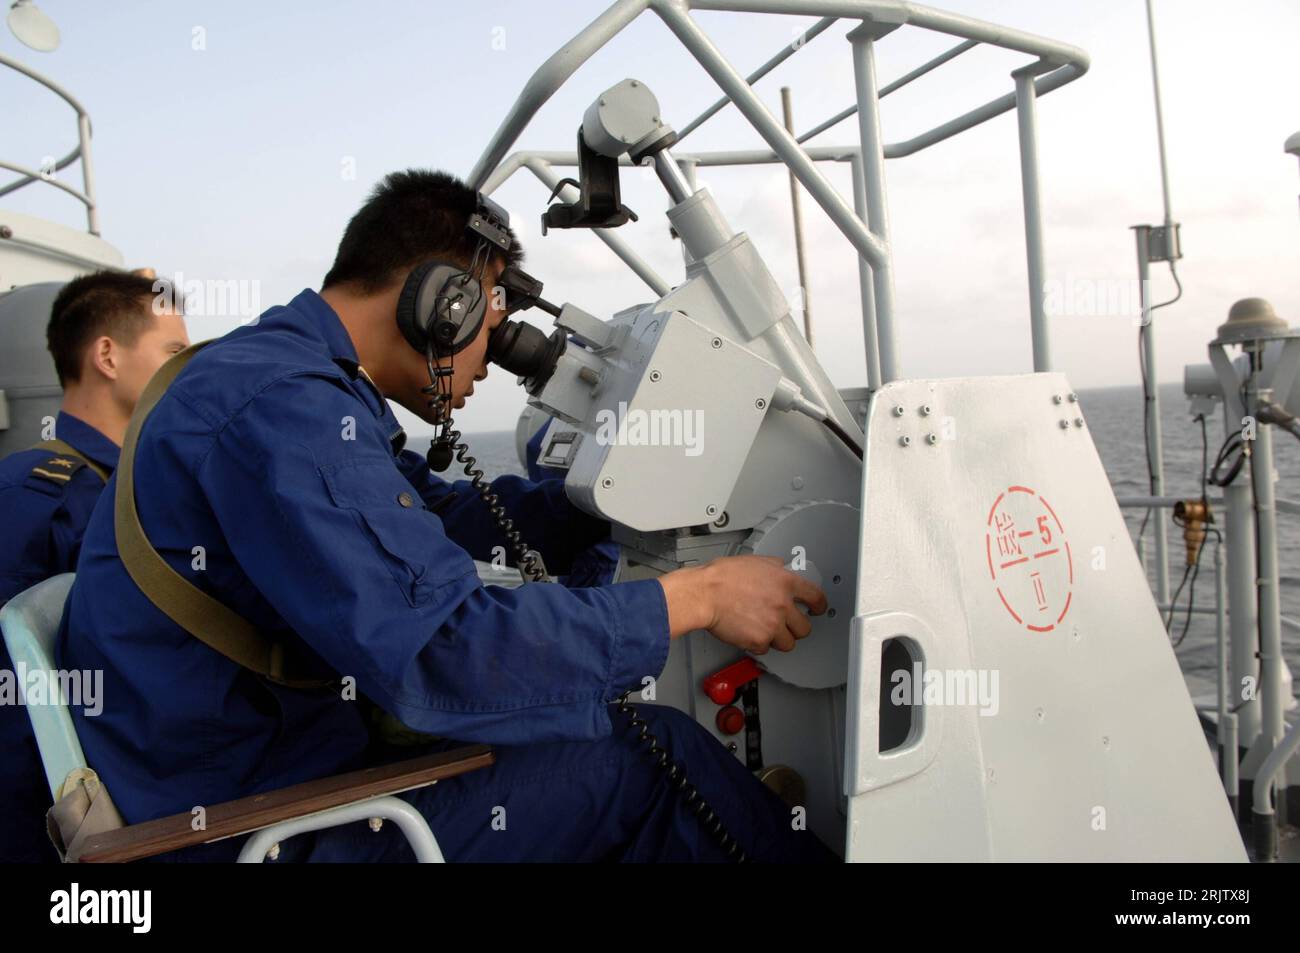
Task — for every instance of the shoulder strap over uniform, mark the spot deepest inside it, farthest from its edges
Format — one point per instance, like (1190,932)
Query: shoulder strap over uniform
(208,620)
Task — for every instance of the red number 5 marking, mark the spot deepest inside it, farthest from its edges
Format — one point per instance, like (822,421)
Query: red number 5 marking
(1034,581)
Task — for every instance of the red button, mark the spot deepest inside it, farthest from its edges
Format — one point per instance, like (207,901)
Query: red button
(731,720)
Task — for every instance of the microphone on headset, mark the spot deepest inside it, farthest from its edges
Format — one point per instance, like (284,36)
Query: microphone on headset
(440,453)
(441,447)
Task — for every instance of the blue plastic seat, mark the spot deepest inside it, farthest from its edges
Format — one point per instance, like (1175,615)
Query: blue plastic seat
(30,624)
(30,621)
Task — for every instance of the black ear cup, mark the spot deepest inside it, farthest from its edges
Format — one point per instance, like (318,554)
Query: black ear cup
(412,329)
(440,303)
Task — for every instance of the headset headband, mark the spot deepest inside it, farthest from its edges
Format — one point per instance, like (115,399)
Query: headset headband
(490,221)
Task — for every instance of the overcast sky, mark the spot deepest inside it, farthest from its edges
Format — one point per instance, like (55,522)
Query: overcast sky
(234,140)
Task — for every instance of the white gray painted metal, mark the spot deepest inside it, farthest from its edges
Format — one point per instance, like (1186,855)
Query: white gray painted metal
(872,158)
(1026,115)
(408,820)
(1153,428)
(1087,757)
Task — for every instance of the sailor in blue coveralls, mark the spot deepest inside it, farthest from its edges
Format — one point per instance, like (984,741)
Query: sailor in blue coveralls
(276,456)
(106,343)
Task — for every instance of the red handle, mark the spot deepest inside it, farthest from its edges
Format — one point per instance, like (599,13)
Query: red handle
(723,684)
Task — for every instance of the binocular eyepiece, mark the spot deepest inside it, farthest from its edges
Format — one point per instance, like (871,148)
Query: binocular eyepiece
(520,348)
(526,352)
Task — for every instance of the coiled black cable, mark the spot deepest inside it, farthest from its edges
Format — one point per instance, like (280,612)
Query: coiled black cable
(531,570)
(691,796)
(526,558)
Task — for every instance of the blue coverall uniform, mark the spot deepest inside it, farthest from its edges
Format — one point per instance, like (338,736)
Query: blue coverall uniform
(45,503)
(272,475)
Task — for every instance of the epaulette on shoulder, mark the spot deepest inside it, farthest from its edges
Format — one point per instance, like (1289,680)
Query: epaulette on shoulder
(57,469)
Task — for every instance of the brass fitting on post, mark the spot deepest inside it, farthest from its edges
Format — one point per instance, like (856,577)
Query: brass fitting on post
(1193,516)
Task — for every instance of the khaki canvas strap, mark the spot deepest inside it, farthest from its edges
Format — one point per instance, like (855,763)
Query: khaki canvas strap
(68,450)
(82,811)
(208,620)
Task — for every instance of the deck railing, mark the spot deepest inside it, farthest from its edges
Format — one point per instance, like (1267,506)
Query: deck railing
(47,174)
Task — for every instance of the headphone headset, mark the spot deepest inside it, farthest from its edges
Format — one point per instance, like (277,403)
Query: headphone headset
(440,311)
(442,305)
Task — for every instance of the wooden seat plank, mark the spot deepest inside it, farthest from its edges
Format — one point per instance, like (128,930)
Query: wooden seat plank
(247,814)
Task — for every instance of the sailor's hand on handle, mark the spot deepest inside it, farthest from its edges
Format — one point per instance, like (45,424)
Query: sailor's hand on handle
(751,602)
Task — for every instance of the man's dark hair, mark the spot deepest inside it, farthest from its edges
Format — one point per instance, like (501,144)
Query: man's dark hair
(411,217)
(118,304)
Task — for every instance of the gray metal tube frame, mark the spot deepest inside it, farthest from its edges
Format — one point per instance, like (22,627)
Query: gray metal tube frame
(869,333)
(1286,621)
(1226,730)
(1239,531)
(410,821)
(1196,610)
(1270,626)
(897,84)
(801,259)
(541,164)
(1243,617)
(1266,776)
(688,171)
(787,51)
(1160,114)
(672,177)
(872,158)
(87,195)
(31,174)
(781,142)
(1058,63)
(1027,121)
(1148,502)
(1155,444)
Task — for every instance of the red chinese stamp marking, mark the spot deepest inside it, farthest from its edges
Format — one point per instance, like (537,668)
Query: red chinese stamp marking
(1029,559)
